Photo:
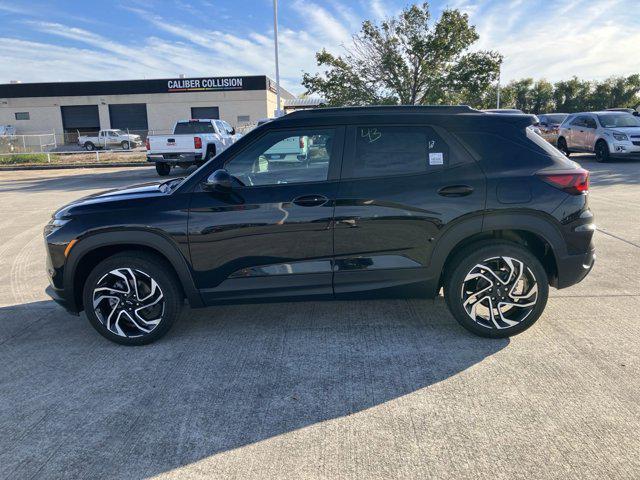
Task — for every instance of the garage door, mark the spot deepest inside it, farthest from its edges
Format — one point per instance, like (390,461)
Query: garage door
(205,112)
(131,116)
(84,118)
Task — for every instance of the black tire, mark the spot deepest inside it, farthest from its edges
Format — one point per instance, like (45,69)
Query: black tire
(144,265)
(89,146)
(211,152)
(602,151)
(562,146)
(125,145)
(163,169)
(465,263)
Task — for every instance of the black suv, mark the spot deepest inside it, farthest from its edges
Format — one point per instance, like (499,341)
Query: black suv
(337,203)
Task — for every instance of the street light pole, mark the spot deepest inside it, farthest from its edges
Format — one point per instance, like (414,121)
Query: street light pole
(275,43)
(499,69)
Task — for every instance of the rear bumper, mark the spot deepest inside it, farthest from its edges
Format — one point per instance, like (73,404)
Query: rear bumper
(58,297)
(174,158)
(573,268)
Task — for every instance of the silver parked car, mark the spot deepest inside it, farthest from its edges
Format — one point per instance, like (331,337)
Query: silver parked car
(607,134)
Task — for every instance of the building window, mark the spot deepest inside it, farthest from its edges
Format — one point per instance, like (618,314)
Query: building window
(22,115)
(244,119)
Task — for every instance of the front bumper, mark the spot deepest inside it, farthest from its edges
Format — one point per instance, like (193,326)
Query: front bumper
(573,268)
(58,297)
(625,149)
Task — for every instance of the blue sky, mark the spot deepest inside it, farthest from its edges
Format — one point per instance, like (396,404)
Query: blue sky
(58,40)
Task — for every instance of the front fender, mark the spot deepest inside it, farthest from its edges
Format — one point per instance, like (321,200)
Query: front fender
(155,241)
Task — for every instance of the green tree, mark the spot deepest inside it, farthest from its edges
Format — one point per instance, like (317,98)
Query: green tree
(408,60)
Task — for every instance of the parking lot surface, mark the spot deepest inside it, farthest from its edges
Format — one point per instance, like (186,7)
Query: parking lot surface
(379,389)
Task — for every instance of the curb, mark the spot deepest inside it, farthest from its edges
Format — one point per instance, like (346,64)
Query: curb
(71,166)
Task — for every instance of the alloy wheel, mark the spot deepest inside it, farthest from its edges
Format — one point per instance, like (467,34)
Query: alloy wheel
(128,302)
(499,292)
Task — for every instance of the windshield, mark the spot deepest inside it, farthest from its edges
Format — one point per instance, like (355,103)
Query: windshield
(556,118)
(193,127)
(614,120)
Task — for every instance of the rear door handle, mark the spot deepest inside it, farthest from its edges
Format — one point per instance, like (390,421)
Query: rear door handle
(455,191)
(310,200)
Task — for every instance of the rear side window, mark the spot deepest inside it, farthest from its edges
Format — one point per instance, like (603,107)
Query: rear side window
(186,128)
(395,150)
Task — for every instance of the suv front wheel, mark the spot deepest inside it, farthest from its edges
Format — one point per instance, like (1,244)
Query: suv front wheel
(496,289)
(132,298)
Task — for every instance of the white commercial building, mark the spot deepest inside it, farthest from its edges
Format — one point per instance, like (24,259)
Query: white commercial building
(70,108)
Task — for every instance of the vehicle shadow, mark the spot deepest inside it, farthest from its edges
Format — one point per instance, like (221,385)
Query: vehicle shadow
(74,404)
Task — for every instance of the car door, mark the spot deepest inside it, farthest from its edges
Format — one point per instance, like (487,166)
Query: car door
(589,134)
(577,128)
(272,234)
(400,188)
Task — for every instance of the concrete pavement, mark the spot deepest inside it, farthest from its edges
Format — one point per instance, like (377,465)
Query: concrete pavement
(382,389)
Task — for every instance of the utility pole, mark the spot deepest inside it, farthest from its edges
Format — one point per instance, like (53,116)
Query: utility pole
(498,103)
(278,112)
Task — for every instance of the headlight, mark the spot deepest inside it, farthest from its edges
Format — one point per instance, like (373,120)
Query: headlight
(54,225)
(620,136)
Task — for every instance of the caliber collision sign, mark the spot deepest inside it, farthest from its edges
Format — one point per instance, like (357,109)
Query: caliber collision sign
(204,84)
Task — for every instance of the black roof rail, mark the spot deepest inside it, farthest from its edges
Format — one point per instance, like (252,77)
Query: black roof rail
(424,109)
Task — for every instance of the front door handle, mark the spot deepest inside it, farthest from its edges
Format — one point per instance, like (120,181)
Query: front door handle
(310,200)
(455,191)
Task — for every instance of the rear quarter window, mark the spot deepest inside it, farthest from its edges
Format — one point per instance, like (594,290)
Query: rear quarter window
(499,152)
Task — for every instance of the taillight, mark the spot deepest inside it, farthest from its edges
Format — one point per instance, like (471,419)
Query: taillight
(146,143)
(301,142)
(574,182)
(197,142)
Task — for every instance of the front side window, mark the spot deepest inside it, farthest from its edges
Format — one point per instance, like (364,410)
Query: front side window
(281,157)
(396,150)
(590,123)
(579,122)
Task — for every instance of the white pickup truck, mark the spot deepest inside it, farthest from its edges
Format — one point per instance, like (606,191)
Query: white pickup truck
(192,142)
(109,139)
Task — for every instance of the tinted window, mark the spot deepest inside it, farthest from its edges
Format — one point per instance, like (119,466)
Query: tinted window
(185,128)
(384,151)
(285,157)
(590,123)
(556,118)
(613,120)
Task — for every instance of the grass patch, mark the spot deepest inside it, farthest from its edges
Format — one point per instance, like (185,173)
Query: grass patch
(22,158)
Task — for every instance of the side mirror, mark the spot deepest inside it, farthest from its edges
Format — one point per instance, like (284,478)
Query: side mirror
(233,131)
(218,181)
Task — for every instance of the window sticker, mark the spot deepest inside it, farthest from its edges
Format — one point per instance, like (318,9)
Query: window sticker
(436,158)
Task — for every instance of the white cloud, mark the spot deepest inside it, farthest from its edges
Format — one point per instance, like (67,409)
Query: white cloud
(556,41)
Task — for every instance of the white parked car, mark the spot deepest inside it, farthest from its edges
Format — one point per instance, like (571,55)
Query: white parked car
(110,139)
(608,134)
(193,142)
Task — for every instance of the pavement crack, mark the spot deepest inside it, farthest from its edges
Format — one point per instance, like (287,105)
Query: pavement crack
(618,238)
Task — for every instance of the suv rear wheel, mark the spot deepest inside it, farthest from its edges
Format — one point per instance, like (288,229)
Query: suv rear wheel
(132,298)
(496,289)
